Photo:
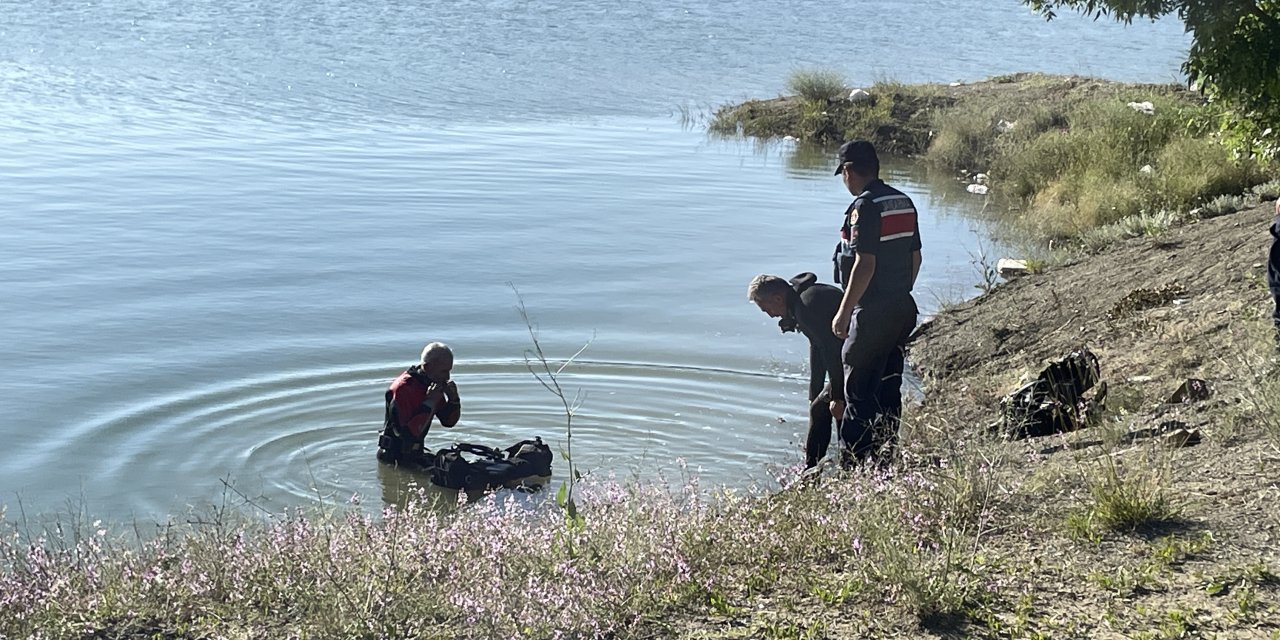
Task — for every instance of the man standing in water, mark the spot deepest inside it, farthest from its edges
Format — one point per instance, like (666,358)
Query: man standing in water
(423,392)
(810,307)
(878,260)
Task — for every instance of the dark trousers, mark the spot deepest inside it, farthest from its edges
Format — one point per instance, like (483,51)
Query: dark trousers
(873,364)
(820,419)
(1275,315)
(1273,272)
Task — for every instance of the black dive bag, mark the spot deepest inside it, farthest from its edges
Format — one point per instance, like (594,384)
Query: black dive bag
(1055,401)
(475,467)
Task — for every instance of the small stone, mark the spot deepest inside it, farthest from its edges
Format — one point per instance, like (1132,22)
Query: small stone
(1147,169)
(1193,390)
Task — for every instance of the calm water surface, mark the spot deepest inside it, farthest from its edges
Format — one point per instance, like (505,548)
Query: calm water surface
(227,226)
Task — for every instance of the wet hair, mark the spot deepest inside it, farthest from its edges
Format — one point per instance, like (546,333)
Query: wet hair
(435,350)
(765,285)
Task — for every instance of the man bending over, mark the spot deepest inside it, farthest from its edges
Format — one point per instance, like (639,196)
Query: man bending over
(810,307)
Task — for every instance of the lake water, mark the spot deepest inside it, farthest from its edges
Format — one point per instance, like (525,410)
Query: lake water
(227,226)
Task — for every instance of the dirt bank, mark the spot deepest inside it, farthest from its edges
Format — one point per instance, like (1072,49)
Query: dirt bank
(1156,310)
(1191,303)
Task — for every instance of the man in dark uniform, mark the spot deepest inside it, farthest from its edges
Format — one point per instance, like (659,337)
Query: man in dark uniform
(1273,270)
(878,261)
(810,307)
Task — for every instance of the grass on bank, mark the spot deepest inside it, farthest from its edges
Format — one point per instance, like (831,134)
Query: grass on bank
(966,535)
(1065,155)
(817,85)
(638,555)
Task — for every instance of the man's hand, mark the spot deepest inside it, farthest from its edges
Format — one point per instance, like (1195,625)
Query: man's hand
(451,390)
(840,325)
(837,408)
(435,393)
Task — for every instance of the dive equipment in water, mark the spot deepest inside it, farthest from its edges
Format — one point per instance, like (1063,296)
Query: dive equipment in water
(475,467)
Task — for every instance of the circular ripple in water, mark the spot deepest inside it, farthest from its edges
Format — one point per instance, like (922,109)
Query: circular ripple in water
(298,437)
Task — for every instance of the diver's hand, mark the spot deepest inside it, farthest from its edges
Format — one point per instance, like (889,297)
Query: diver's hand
(435,393)
(451,390)
(837,408)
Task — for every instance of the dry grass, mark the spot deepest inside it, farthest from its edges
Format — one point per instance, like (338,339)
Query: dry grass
(1101,532)
(817,85)
(1065,155)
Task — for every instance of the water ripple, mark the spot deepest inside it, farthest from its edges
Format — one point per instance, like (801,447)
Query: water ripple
(302,434)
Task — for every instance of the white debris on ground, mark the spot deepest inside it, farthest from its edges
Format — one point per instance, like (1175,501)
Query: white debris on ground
(859,95)
(1143,107)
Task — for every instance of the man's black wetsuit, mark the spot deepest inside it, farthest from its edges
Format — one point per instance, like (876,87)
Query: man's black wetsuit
(810,308)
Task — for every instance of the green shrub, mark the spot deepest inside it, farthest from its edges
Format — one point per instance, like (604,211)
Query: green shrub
(1066,155)
(964,140)
(817,85)
(1123,499)
(1102,162)
(1268,190)
(1192,170)
(1222,205)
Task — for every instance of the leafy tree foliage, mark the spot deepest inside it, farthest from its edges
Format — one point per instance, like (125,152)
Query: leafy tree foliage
(1234,56)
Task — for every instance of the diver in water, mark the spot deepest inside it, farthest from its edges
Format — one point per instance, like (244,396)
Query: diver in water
(422,393)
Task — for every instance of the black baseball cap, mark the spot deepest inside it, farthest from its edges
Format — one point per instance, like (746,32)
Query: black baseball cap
(859,152)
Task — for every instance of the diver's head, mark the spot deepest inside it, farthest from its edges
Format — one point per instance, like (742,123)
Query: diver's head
(437,361)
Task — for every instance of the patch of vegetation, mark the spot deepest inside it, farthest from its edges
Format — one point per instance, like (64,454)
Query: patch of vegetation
(1267,191)
(1090,159)
(1233,58)
(629,555)
(817,85)
(896,117)
(1066,155)
(1260,398)
(1122,500)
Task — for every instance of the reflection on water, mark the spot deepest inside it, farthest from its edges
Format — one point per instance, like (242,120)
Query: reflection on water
(402,487)
(808,161)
